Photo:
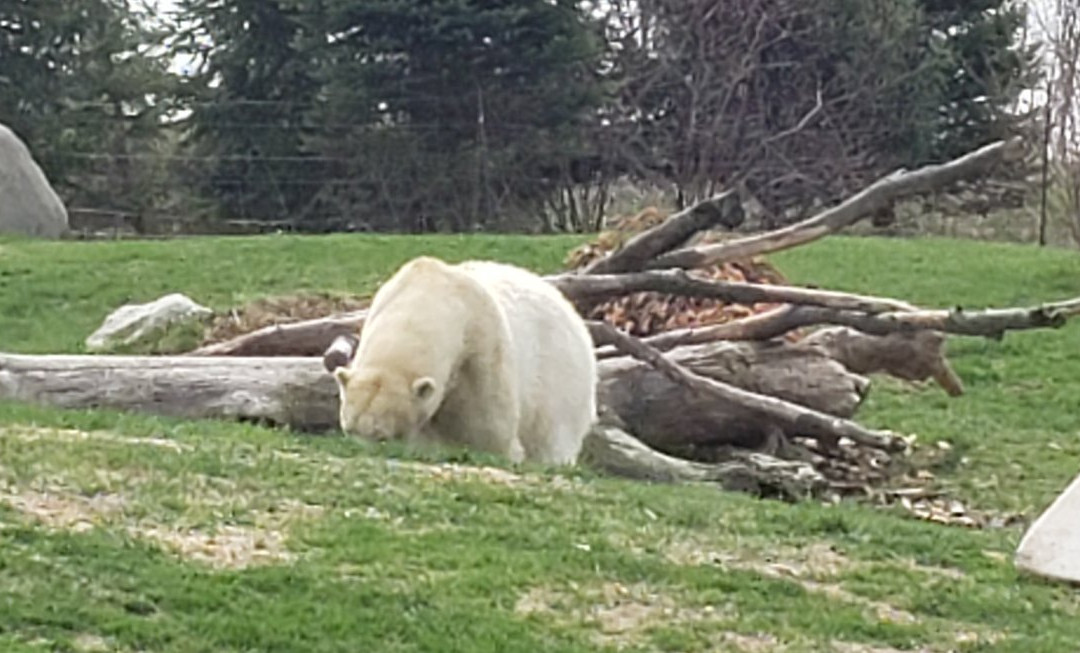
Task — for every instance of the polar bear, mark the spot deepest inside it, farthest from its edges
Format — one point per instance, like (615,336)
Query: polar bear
(479,354)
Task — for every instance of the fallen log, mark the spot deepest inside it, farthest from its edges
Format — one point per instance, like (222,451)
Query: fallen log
(304,338)
(873,198)
(761,326)
(915,356)
(797,419)
(661,413)
(299,393)
(908,355)
(281,390)
(611,449)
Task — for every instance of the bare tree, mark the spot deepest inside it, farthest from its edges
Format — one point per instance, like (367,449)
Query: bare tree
(754,95)
(795,104)
(1060,24)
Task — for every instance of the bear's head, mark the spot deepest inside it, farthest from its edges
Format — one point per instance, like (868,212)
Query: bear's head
(383,405)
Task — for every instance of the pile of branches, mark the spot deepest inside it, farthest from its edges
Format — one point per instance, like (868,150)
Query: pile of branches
(730,401)
(648,313)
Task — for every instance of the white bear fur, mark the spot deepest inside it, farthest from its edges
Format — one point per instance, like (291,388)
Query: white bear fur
(480,354)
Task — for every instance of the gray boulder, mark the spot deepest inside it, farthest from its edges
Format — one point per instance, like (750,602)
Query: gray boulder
(133,324)
(1051,546)
(28,203)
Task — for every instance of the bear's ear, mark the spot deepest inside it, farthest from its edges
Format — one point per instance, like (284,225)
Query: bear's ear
(423,388)
(342,376)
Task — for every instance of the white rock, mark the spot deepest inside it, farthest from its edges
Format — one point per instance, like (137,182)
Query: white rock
(28,204)
(131,323)
(1051,546)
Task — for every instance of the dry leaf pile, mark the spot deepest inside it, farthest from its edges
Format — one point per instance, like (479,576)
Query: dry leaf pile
(648,313)
(905,483)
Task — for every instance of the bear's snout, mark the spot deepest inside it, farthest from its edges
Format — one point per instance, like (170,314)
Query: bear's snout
(370,428)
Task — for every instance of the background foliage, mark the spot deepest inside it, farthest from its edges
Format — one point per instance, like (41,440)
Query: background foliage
(461,115)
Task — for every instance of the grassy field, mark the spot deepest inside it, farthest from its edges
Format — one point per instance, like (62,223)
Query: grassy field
(131,533)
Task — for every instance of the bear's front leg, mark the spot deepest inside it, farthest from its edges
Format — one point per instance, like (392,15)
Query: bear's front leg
(492,433)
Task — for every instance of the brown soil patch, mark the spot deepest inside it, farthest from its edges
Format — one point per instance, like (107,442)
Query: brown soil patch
(228,546)
(817,560)
(279,310)
(446,472)
(933,570)
(881,610)
(454,472)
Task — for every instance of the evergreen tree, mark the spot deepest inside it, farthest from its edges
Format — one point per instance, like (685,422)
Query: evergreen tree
(250,95)
(413,114)
(80,81)
(986,70)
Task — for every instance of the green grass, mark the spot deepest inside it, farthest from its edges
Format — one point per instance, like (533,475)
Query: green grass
(53,295)
(1018,425)
(105,538)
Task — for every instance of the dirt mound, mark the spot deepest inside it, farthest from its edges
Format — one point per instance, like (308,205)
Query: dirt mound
(279,310)
(647,313)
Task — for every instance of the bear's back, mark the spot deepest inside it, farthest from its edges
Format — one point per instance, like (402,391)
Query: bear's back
(554,359)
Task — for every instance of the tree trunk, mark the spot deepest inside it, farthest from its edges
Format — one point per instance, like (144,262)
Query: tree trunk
(741,394)
(280,390)
(611,449)
(299,392)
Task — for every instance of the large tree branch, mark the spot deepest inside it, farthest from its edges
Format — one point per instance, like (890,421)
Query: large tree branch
(914,356)
(878,195)
(305,338)
(594,288)
(725,209)
(792,417)
(988,323)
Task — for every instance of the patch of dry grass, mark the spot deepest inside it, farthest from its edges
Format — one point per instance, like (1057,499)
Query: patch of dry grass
(221,546)
(39,434)
(617,614)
